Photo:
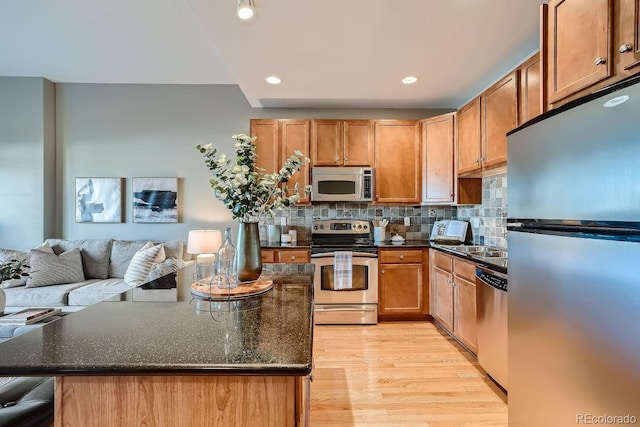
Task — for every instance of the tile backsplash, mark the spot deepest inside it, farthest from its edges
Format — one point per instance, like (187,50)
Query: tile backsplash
(488,221)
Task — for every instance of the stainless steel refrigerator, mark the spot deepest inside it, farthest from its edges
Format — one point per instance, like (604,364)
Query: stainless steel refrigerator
(574,263)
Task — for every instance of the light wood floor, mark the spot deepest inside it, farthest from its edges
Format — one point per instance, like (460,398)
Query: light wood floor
(399,374)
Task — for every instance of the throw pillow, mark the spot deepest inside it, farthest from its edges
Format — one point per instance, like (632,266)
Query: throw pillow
(141,264)
(95,254)
(51,269)
(161,255)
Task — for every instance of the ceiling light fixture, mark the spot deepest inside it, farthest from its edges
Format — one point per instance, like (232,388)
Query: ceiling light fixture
(245,9)
(409,80)
(274,80)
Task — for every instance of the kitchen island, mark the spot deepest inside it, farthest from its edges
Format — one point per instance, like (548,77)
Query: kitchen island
(227,363)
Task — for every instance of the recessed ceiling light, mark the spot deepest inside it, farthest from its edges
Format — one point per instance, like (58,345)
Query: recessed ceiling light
(274,80)
(245,9)
(409,80)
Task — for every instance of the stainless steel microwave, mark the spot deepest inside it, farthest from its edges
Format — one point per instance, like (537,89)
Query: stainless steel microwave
(341,184)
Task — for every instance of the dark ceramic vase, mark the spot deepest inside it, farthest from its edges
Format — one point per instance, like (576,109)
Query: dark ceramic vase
(248,258)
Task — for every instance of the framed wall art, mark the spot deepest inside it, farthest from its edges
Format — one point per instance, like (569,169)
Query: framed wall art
(155,200)
(99,200)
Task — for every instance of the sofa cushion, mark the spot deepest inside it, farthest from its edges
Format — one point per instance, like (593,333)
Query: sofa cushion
(141,264)
(122,251)
(100,290)
(95,254)
(45,296)
(51,269)
(174,249)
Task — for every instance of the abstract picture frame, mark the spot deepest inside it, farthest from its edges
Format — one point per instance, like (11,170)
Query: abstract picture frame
(155,200)
(99,199)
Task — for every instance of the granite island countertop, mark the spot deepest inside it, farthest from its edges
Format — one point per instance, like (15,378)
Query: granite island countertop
(268,334)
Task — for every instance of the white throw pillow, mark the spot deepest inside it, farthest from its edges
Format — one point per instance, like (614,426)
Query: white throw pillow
(141,264)
(51,269)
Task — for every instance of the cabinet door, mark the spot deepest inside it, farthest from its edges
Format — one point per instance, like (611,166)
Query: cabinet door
(267,144)
(443,287)
(438,140)
(397,161)
(401,290)
(465,323)
(357,143)
(469,135)
(326,142)
(531,102)
(628,36)
(579,45)
(499,116)
(295,135)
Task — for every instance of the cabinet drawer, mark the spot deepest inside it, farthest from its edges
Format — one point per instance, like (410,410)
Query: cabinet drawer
(268,255)
(293,256)
(464,269)
(401,256)
(443,261)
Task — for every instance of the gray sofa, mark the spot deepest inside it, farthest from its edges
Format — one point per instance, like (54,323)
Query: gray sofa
(104,266)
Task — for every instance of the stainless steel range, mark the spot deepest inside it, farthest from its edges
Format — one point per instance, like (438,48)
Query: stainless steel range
(358,302)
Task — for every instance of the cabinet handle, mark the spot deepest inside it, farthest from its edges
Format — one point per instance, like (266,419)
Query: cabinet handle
(401,256)
(293,257)
(600,60)
(382,272)
(625,48)
(337,159)
(346,158)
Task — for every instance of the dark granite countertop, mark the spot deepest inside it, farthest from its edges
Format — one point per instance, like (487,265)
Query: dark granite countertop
(268,334)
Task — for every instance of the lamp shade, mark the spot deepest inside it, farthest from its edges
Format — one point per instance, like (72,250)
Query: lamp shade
(204,241)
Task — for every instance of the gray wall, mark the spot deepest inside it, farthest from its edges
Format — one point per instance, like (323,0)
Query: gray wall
(27,162)
(105,130)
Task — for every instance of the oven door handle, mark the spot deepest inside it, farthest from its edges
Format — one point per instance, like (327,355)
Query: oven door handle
(346,308)
(355,255)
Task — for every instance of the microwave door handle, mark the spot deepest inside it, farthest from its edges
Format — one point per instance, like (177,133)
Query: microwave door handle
(360,186)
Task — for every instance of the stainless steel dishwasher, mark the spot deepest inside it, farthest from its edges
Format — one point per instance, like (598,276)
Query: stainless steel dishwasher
(491,295)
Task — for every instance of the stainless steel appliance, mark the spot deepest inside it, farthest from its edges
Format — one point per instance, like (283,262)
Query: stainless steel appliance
(359,303)
(574,262)
(341,184)
(491,293)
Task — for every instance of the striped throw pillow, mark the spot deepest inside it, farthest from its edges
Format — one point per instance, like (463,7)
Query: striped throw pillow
(48,268)
(141,264)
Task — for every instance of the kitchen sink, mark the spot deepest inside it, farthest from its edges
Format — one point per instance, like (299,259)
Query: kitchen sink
(478,250)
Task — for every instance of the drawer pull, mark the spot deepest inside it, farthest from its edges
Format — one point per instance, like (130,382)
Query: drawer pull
(401,256)
(600,60)
(625,48)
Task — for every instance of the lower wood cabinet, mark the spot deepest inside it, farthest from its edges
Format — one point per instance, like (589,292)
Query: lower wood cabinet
(291,256)
(454,296)
(403,284)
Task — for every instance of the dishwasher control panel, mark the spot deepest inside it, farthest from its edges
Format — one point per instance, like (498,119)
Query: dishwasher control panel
(492,280)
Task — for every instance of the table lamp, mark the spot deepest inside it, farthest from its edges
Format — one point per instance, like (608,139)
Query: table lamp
(204,244)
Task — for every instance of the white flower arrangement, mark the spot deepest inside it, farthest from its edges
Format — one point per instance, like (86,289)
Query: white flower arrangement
(245,188)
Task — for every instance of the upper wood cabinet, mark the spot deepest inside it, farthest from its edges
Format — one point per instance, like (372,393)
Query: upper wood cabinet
(438,143)
(578,44)
(267,144)
(341,142)
(532,99)
(499,105)
(295,135)
(469,138)
(627,36)
(279,139)
(397,161)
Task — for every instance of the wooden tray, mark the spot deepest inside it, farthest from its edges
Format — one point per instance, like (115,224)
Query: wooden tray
(243,290)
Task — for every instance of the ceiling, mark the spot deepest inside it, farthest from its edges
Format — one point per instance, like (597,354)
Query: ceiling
(329,53)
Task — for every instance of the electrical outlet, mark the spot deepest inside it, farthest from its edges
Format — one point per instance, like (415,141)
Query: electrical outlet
(283,221)
(407,221)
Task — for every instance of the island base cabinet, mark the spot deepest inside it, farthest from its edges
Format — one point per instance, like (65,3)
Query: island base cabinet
(178,401)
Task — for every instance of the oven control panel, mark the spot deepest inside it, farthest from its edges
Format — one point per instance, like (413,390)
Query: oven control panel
(341,226)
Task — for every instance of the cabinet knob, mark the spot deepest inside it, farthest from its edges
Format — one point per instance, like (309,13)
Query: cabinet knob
(382,272)
(293,257)
(625,48)
(600,60)
(346,158)
(401,256)
(337,159)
